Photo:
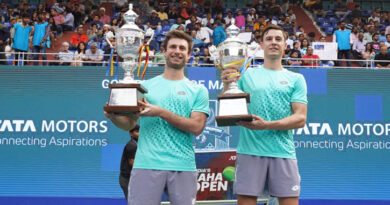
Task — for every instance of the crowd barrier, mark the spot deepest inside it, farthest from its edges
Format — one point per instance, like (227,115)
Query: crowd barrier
(55,142)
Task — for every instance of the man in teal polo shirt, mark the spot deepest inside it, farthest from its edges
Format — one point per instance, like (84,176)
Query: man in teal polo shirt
(266,156)
(175,109)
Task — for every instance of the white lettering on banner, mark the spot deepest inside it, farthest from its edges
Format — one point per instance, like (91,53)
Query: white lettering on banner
(347,129)
(367,129)
(17,126)
(211,85)
(81,126)
(212,181)
(324,128)
(106,82)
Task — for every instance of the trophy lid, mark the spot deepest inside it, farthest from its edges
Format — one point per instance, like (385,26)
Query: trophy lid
(232,37)
(130,16)
(232,30)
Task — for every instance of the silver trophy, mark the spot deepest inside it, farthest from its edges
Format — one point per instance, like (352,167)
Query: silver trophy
(124,96)
(233,103)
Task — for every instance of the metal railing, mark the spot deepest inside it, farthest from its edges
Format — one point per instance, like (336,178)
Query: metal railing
(26,58)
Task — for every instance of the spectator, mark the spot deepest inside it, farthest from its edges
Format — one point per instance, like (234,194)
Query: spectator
(291,14)
(281,20)
(301,30)
(354,34)
(191,26)
(374,17)
(120,4)
(387,43)
(64,57)
(203,33)
(369,54)
(368,35)
(359,46)
(382,60)
(115,24)
(161,13)
(41,38)
(296,48)
(304,46)
(220,18)
(312,37)
(206,58)
(342,37)
(93,33)
(219,34)
(271,20)
(75,39)
(79,55)
(228,18)
(356,13)
(179,21)
(68,20)
(154,21)
(240,20)
(356,22)
(289,26)
(58,19)
(375,42)
(94,55)
(252,17)
(382,36)
(173,12)
(340,9)
(292,61)
(313,58)
(107,51)
(208,21)
(159,57)
(21,38)
(96,20)
(260,22)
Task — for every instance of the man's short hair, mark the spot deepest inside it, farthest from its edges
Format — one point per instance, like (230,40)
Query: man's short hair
(181,35)
(94,44)
(135,128)
(273,27)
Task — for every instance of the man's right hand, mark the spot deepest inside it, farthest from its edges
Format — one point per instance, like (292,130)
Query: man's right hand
(227,72)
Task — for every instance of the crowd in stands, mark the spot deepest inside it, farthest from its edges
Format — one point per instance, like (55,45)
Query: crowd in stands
(28,28)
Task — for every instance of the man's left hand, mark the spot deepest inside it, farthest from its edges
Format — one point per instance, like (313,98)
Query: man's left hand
(149,109)
(258,123)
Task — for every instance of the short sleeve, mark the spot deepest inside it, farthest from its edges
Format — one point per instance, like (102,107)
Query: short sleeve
(201,103)
(300,91)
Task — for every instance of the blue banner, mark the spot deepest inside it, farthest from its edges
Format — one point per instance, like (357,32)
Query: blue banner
(56,142)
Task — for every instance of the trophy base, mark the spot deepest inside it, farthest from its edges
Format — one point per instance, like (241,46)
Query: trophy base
(233,108)
(123,110)
(124,98)
(231,120)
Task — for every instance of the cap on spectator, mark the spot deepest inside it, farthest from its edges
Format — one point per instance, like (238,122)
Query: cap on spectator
(154,11)
(106,25)
(94,44)
(102,9)
(253,9)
